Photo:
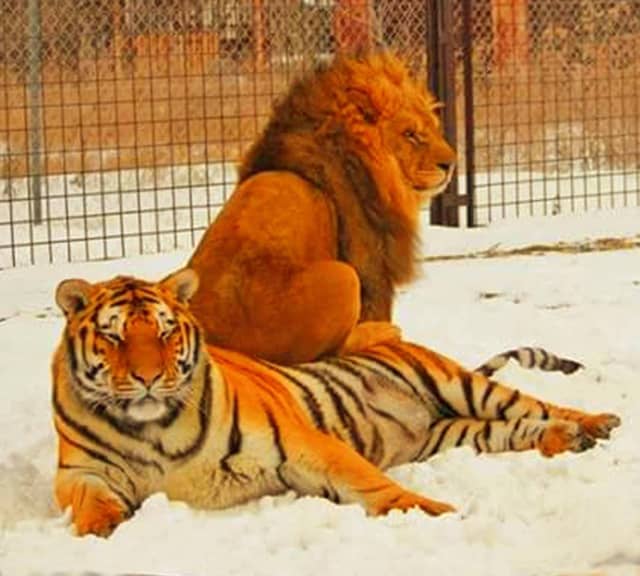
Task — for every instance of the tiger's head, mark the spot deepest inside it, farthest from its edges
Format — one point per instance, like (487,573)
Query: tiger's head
(132,346)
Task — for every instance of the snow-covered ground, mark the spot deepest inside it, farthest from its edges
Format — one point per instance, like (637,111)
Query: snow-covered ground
(519,514)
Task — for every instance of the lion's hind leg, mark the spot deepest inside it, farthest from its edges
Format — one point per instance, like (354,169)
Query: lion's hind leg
(320,310)
(290,315)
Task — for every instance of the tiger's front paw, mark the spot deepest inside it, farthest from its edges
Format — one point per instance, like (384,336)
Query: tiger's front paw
(405,500)
(94,508)
(100,516)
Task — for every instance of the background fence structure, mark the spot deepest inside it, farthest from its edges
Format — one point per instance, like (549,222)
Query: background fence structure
(554,110)
(121,120)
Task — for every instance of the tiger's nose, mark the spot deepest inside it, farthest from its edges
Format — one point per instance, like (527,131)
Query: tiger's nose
(147,376)
(143,351)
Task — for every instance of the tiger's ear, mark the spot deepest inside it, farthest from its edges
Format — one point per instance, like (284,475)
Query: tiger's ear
(182,284)
(73,295)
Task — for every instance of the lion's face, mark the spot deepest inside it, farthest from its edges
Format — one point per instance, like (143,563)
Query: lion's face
(414,138)
(365,110)
(393,121)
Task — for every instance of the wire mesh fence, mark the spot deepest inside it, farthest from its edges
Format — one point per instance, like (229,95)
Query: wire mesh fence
(121,120)
(556,105)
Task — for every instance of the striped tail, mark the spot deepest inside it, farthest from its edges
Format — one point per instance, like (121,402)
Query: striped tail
(530,358)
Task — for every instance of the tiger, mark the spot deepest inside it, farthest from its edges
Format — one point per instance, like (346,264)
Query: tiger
(141,404)
(529,357)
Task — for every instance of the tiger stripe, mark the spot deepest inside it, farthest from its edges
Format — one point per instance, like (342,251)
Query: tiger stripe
(85,432)
(312,405)
(428,381)
(468,394)
(349,368)
(141,404)
(379,368)
(96,455)
(336,392)
(530,358)
(234,438)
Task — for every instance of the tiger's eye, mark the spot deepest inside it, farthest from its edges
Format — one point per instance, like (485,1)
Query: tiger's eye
(113,337)
(167,327)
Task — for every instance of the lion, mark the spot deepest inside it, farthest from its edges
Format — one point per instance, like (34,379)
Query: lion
(305,257)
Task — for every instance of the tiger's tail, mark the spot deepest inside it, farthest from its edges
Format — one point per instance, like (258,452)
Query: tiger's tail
(530,358)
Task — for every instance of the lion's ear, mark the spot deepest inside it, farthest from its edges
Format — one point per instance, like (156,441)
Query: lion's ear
(363,102)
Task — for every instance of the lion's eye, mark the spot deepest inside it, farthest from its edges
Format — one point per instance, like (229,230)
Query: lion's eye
(412,136)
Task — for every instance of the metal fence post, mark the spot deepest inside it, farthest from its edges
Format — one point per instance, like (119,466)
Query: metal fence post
(469,123)
(35,105)
(444,209)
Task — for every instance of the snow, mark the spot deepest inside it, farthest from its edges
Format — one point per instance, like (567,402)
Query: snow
(518,514)
(505,235)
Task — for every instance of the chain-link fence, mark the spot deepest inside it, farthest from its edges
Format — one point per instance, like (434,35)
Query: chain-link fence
(554,122)
(121,120)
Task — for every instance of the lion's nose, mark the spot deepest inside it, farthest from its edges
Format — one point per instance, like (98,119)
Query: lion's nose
(446,166)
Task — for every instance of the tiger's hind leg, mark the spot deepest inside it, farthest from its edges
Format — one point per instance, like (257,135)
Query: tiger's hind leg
(317,464)
(486,399)
(550,437)
(458,393)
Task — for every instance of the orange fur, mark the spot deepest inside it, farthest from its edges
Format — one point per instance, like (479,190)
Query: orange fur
(142,405)
(323,224)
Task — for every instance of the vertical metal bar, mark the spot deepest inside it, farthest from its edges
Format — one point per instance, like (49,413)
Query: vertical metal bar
(432,42)
(448,94)
(259,34)
(469,123)
(35,105)
(444,210)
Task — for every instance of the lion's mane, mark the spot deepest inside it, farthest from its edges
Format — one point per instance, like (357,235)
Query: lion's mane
(304,258)
(326,130)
